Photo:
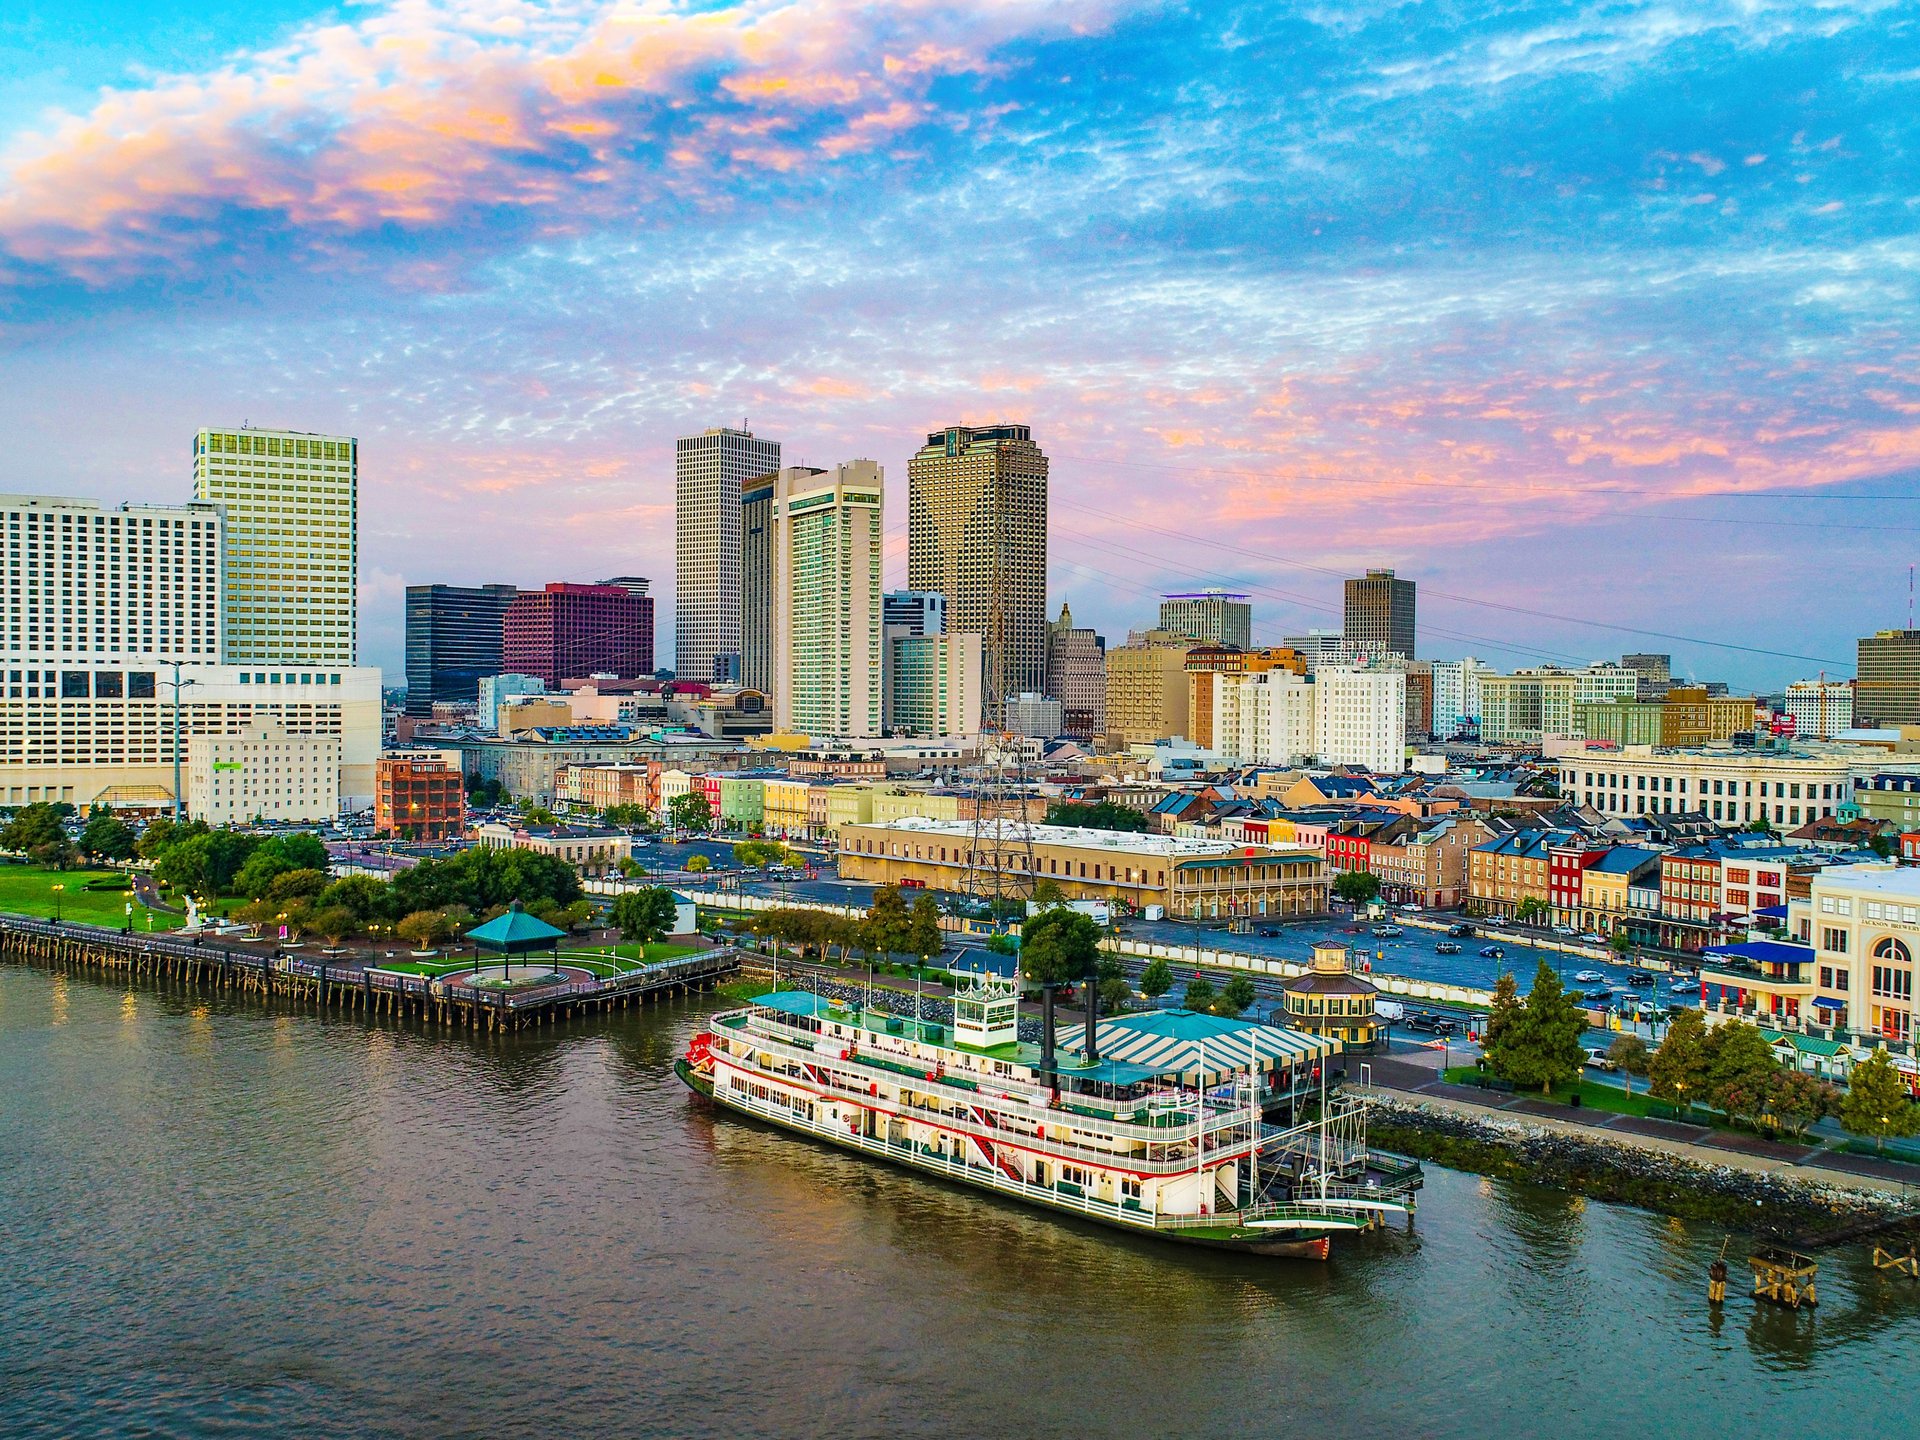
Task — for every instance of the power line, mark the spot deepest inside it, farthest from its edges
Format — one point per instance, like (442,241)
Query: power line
(1455,488)
(1297,564)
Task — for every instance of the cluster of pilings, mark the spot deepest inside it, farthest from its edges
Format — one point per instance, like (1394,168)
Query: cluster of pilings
(347,986)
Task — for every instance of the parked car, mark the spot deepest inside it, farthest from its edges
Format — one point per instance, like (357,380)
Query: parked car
(1640,979)
(1460,931)
(1565,930)
(1598,1059)
(1419,1021)
(1492,952)
(1600,997)
(1446,947)
(1387,932)
(1264,935)
(1590,977)
(1593,937)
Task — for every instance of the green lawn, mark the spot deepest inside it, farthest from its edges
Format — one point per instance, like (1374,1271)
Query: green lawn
(1593,1095)
(28,890)
(654,952)
(603,961)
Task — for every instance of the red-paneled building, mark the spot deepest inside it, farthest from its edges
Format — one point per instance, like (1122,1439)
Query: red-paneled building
(572,630)
(418,797)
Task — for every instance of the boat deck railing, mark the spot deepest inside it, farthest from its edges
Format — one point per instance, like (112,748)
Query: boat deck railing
(1166,1109)
(1063,1196)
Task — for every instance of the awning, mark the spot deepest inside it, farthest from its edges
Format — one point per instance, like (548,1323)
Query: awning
(1821,1002)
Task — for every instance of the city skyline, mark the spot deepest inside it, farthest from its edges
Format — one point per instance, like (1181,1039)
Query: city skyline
(1373,339)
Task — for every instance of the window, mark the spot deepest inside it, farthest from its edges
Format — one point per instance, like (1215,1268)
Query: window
(1834,940)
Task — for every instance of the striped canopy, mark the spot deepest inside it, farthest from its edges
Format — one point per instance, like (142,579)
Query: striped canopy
(1171,1042)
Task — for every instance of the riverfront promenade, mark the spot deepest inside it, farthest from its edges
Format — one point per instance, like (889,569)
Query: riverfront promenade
(1399,1078)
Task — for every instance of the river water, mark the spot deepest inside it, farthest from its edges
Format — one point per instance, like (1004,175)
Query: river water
(216,1220)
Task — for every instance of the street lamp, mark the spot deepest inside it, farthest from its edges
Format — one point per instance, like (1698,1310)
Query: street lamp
(58,890)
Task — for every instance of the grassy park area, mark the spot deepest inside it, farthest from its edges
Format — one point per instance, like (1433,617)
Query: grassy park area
(1593,1094)
(28,890)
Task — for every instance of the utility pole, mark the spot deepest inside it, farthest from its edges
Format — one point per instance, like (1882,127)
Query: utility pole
(179,800)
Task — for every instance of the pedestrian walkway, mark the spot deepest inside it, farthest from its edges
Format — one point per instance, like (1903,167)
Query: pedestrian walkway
(1400,1079)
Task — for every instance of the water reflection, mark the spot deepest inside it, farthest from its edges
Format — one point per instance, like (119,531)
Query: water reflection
(343,1228)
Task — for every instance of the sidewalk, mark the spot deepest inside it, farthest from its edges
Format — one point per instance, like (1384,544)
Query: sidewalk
(1399,1079)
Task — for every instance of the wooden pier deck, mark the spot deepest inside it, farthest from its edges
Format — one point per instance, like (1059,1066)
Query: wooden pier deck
(348,984)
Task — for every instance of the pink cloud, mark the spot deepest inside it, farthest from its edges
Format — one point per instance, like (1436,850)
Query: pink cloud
(427,108)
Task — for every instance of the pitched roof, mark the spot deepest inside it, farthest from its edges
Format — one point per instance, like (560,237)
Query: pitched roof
(515,930)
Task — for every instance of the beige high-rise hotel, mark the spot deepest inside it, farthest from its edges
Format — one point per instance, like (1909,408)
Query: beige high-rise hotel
(977,533)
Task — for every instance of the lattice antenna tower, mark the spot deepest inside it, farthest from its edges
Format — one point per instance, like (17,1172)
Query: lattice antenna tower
(1000,861)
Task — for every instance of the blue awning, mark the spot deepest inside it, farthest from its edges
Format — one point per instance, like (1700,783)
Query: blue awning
(1772,912)
(1821,1002)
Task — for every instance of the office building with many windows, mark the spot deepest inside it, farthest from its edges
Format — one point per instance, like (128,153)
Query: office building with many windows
(1379,615)
(572,631)
(1209,617)
(1887,691)
(977,534)
(710,472)
(85,582)
(1077,676)
(755,670)
(453,640)
(827,610)
(933,685)
(1734,787)
(291,535)
(261,772)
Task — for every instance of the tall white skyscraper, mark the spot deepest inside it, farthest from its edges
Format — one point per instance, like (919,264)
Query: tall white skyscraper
(826,600)
(292,542)
(709,470)
(99,604)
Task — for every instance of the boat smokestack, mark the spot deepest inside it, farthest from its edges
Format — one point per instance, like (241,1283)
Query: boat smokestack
(1092,1007)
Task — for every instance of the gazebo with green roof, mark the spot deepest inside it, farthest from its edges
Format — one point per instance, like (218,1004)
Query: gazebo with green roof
(516,933)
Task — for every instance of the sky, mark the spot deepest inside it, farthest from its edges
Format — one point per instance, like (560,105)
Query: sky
(1596,320)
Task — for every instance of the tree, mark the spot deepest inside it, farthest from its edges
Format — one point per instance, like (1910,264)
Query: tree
(1061,947)
(1200,994)
(1105,815)
(1236,995)
(38,830)
(333,924)
(691,811)
(1157,979)
(1542,1046)
(887,925)
(923,928)
(1881,845)
(1500,1018)
(1679,1069)
(1115,994)
(106,835)
(697,864)
(1795,1100)
(424,929)
(263,867)
(1740,1068)
(1531,911)
(1630,1056)
(1047,892)
(298,885)
(1356,887)
(1620,943)
(628,817)
(1876,1102)
(645,915)
(368,898)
